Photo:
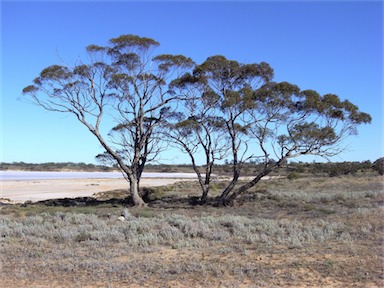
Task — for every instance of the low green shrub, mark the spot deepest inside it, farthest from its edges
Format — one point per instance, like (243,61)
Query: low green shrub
(293,176)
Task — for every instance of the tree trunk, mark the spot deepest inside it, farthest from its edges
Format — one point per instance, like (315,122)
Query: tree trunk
(204,184)
(135,194)
(131,175)
(204,196)
(223,201)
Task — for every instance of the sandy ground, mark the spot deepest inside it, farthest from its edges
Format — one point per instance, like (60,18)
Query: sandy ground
(36,190)
(19,191)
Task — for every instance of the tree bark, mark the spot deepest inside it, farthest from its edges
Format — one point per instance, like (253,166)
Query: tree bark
(204,196)
(134,191)
(229,188)
(225,200)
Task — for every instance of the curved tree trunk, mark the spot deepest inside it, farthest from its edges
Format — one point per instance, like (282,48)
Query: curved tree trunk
(247,186)
(225,200)
(222,201)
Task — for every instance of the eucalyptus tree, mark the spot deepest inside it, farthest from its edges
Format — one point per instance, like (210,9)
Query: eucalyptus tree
(197,129)
(123,79)
(288,123)
(227,84)
(264,120)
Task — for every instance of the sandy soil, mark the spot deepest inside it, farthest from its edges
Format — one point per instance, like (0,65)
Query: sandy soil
(19,191)
(36,190)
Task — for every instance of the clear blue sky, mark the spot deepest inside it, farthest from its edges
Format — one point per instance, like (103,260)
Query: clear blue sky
(332,47)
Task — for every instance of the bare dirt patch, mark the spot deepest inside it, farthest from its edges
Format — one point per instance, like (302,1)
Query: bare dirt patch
(37,190)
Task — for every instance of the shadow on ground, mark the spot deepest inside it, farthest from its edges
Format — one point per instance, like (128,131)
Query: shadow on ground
(165,202)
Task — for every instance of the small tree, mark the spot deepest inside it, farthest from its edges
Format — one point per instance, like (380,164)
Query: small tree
(122,79)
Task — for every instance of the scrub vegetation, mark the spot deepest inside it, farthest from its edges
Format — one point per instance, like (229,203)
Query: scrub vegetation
(297,232)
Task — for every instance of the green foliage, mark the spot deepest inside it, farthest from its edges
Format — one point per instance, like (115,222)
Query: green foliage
(189,124)
(55,72)
(293,175)
(220,68)
(345,168)
(95,48)
(82,70)
(331,169)
(331,106)
(168,61)
(133,41)
(309,132)
(30,89)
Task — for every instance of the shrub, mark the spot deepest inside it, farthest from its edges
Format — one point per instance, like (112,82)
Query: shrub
(293,175)
(378,166)
(82,236)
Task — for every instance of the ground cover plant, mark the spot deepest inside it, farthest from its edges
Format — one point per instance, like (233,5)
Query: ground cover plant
(305,231)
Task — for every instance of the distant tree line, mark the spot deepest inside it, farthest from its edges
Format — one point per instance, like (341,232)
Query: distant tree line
(331,169)
(52,166)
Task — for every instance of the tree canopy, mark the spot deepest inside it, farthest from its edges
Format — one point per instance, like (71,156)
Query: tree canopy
(126,80)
